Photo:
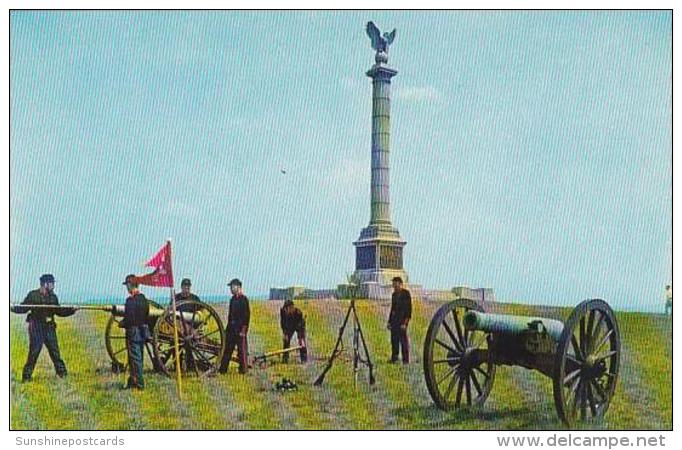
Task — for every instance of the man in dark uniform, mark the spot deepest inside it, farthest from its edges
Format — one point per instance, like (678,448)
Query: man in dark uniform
(292,321)
(186,294)
(136,315)
(238,318)
(398,319)
(42,329)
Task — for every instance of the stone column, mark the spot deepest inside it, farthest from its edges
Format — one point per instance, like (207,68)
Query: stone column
(379,249)
(381,142)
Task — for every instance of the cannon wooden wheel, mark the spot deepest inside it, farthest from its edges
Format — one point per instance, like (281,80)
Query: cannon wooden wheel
(201,338)
(115,342)
(587,363)
(458,366)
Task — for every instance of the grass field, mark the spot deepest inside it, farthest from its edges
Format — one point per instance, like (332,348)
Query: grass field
(91,398)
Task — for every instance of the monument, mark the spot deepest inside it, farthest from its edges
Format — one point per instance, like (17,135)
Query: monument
(379,249)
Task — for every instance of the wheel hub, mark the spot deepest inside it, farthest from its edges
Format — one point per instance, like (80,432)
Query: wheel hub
(468,359)
(593,368)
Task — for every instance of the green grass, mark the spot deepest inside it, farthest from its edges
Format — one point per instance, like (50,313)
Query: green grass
(91,398)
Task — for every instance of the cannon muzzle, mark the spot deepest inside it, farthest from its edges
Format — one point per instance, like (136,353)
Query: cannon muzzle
(512,325)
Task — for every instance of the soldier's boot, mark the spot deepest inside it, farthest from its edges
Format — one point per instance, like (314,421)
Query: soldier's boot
(27,373)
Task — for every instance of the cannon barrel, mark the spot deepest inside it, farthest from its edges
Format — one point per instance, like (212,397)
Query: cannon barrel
(514,325)
(119,310)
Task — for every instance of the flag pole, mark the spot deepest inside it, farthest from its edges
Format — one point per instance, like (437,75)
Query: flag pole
(175,326)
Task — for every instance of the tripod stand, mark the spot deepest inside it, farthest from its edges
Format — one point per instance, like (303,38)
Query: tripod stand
(360,355)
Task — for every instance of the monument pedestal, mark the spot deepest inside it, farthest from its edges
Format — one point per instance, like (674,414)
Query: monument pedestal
(379,255)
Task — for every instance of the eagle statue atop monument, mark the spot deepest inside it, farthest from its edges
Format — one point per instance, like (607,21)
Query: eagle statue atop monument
(379,43)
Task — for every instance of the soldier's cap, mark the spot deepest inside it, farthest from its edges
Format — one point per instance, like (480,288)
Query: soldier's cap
(186,282)
(235,282)
(131,278)
(46,278)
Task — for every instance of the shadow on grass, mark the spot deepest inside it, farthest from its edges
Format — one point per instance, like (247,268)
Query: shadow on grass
(479,419)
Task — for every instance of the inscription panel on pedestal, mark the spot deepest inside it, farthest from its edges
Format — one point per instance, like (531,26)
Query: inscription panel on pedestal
(365,258)
(391,257)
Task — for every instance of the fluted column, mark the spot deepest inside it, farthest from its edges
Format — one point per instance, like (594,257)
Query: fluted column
(381,143)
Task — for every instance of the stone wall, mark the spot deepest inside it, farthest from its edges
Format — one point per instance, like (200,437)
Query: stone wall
(377,291)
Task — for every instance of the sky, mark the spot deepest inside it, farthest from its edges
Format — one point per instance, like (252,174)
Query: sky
(530,151)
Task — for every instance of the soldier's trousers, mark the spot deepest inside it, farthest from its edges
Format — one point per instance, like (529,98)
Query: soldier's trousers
(399,341)
(668,307)
(286,343)
(136,337)
(40,333)
(235,340)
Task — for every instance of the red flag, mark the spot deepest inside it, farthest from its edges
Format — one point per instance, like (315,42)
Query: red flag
(163,269)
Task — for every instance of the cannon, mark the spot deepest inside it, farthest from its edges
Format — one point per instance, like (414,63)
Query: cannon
(582,356)
(201,336)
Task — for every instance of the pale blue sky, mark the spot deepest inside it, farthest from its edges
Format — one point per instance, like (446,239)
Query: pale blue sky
(531,151)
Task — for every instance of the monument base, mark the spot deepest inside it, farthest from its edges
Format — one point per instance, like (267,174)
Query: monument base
(379,258)
(380,276)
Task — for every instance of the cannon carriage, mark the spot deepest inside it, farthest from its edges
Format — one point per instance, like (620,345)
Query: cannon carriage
(201,338)
(464,344)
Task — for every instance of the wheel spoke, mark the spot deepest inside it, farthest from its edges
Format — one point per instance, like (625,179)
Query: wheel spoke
(590,400)
(571,376)
(578,351)
(458,327)
(217,330)
(479,340)
(597,327)
(468,388)
(477,386)
(203,358)
(572,397)
(202,353)
(478,368)
(599,389)
(452,336)
(575,392)
(583,401)
(588,332)
(608,355)
(583,350)
(447,374)
(574,360)
(603,341)
(206,346)
(458,399)
(453,359)
(447,347)
(451,386)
